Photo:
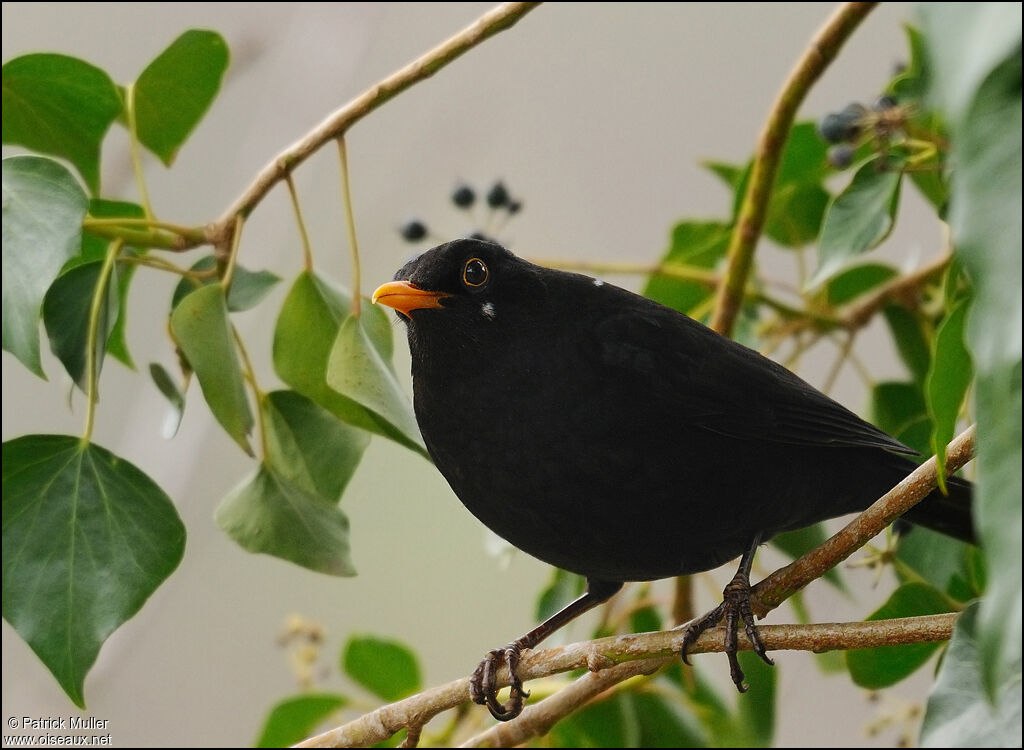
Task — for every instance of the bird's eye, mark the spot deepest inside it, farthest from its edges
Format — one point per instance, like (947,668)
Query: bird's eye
(474,273)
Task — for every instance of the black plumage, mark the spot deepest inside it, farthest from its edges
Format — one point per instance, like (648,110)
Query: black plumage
(616,438)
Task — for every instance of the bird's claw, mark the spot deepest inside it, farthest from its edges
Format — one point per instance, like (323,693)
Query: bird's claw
(735,605)
(483,688)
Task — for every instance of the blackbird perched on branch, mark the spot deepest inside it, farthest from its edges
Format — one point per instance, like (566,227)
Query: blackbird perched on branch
(621,440)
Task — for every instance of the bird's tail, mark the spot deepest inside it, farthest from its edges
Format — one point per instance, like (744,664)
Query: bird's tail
(948,514)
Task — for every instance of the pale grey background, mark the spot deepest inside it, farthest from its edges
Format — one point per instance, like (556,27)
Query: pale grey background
(597,115)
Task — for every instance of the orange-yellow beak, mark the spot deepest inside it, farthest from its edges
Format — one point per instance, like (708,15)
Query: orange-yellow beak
(406,297)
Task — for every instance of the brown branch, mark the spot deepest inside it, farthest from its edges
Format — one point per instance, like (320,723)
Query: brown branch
(337,123)
(537,720)
(823,49)
(785,582)
(615,658)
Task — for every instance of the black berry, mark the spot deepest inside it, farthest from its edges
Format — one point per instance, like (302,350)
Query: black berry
(497,196)
(841,156)
(884,102)
(414,230)
(464,196)
(515,206)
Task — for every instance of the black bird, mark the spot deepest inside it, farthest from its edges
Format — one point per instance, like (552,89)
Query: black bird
(616,438)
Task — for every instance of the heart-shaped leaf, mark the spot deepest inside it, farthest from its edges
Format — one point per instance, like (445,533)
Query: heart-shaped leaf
(386,668)
(87,538)
(62,106)
(294,719)
(272,515)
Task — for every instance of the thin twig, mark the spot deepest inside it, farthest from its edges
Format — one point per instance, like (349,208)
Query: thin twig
(819,54)
(338,122)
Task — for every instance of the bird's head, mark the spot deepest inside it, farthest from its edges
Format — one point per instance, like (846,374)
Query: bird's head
(463,283)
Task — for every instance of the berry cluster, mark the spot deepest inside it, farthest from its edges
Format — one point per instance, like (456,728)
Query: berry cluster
(500,203)
(856,123)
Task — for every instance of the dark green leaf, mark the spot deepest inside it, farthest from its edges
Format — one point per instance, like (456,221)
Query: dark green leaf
(917,435)
(272,515)
(735,177)
(174,91)
(940,560)
(310,446)
(911,335)
(87,538)
(386,668)
(948,379)
(201,328)
(248,288)
(958,713)
(858,219)
(975,77)
(306,329)
(294,719)
(896,405)
(645,620)
(755,715)
(875,668)
(66,310)
(694,243)
(43,207)
(801,541)
(62,106)
(561,589)
(805,156)
(850,284)
(795,214)
(174,395)
(629,718)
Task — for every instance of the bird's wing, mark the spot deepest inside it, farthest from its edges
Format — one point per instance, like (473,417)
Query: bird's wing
(719,385)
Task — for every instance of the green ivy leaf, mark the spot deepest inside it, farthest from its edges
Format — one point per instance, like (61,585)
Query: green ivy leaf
(174,395)
(944,562)
(174,91)
(958,713)
(274,516)
(43,207)
(795,213)
(66,309)
(852,283)
(628,718)
(910,334)
(201,328)
(294,719)
(386,668)
(62,106)
(356,370)
(974,72)
(87,538)
(693,243)
(858,219)
(310,446)
(304,336)
(248,288)
(896,405)
(875,668)
(947,382)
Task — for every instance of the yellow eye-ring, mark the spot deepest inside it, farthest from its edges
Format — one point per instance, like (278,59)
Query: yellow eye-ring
(474,273)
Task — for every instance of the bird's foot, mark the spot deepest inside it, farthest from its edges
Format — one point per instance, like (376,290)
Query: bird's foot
(483,688)
(735,605)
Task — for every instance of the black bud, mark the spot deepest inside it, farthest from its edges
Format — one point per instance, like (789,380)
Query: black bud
(515,206)
(497,196)
(480,236)
(414,230)
(464,196)
(837,127)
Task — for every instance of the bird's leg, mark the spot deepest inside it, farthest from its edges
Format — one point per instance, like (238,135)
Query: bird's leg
(482,685)
(735,604)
